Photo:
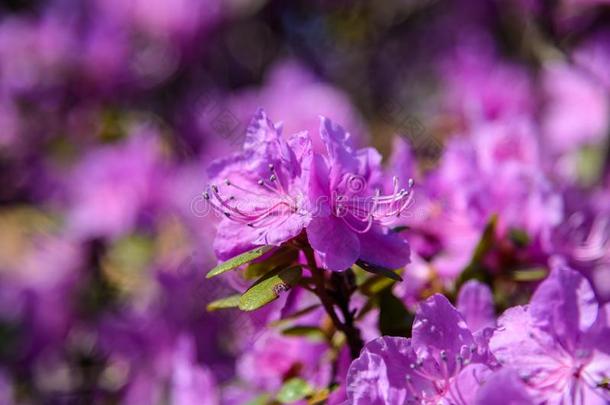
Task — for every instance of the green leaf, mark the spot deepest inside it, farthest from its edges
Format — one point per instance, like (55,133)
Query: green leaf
(269,287)
(231,301)
(475,270)
(260,400)
(239,261)
(379,270)
(519,237)
(533,274)
(311,332)
(394,318)
(282,258)
(294,390)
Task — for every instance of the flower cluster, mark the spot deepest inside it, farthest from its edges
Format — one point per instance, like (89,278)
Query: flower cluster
(553,350)
(278,187)
(427,222)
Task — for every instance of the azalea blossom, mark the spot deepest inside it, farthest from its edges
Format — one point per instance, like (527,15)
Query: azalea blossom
(351,215)
(558,343)
(261,191)
(441,364)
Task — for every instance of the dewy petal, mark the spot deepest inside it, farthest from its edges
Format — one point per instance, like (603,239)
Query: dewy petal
(503,387)
(439,325)
(337,246)
(379,246)
(379,375)
(564,304)
(475,303)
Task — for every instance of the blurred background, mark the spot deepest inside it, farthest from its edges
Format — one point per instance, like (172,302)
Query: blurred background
(110,111)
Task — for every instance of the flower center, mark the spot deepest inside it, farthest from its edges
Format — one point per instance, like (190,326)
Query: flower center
(263,205)
(361,212)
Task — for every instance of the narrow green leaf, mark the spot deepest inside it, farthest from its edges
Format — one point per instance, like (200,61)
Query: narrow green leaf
(475,270)
(534,274)
(260,400)
(311,332)
(282,258)
(269,287)
(239,260)
(294,390)
(519,237)
(382,271)
(231,301)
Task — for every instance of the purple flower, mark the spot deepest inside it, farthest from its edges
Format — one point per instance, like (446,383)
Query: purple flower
(350,218)
(261,191)
(576,110)
(475,303)
(503,387)
(583,239)
(274,357)
(559,342)
(113,185)
(441,363)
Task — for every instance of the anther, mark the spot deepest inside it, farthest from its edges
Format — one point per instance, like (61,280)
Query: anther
(273,177)
(206,195)
(214,188)
(227,182)
(261,182)
(271,167)
(443,355)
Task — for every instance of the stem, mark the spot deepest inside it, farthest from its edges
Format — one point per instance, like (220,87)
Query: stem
(339,296)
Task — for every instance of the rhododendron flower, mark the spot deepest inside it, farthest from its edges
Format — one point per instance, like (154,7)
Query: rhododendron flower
(351,215)
(261,191)
(441,363)
(559,342)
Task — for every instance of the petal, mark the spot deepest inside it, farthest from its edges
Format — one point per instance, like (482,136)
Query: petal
(564,304)
(379,246)
(503,387)
(465,386)
(233,238)
(518,343)
(440,326)
(338,146)
(378,376)
(475,303)
(337,246)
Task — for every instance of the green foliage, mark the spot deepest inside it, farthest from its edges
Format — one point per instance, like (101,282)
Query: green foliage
(269,287)
(238,261)
(378,270)
(294,390)
(231,301)
(394,318)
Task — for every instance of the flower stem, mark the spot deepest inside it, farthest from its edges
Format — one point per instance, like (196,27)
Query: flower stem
(339,296)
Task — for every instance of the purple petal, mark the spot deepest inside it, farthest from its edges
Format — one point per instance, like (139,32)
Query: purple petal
(337,246)
(378,376)
(565,305)
(475,303)
(504,387)
(232,239)
(380,247)
(439,325)
(519,344)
